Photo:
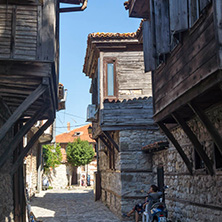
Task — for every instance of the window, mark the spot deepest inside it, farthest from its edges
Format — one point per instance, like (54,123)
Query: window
(199,163)
(110,78)
(218,157)
(98,81)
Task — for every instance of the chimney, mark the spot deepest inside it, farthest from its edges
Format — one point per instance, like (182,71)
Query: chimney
(68,126)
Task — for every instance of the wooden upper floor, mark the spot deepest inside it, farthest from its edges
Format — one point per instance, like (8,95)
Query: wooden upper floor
(184,55)
(115,64)
(29,31)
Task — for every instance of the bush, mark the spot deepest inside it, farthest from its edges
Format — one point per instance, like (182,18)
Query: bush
(52,156)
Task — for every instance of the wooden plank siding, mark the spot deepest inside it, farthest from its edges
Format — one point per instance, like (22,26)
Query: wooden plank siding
(132,81)
(136,112)
(5,31)
(191,62)
(29,32)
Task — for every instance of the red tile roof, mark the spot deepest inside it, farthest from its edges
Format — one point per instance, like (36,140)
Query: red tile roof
(103,37)
(110,35)
(70,136)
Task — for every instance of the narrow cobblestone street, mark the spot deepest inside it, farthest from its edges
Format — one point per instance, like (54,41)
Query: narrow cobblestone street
(76,205)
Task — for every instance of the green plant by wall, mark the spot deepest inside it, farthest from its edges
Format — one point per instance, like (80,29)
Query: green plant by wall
(52,156)
(79,152)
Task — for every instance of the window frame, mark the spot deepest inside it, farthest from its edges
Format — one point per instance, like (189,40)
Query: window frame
(106,61)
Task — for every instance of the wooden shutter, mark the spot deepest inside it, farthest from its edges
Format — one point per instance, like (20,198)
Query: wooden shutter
(148,46)
(162,26)
(149,41)
(5,30)
(26,32)
(178,15)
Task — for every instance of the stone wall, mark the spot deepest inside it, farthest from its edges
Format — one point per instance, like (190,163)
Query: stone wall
(6,182)
(197,197)
(58,177)
(136,166)
(128,183)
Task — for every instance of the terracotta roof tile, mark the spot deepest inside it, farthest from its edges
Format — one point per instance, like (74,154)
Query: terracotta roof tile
(110,35)
(70,136)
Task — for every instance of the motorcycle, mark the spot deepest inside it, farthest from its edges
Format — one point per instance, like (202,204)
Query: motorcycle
(157,212)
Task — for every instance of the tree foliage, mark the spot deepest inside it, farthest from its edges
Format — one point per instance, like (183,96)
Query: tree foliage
(52,156)
(79,152)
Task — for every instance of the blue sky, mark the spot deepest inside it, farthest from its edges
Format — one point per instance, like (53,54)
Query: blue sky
(100,16)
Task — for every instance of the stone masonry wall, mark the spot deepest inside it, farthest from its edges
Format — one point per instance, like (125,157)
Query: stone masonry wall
(123,187)
(110,179)
(58,177)
(136,166)
(6,183)
(197,197)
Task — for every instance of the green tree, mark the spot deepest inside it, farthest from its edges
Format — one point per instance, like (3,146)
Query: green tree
(79,152)
(52,156)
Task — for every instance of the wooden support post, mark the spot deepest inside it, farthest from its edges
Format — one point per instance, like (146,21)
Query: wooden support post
(19,135)
(177,146)
(29,145)
(107,135)
(197,145)
(209,126)
(105,143)
(21,109)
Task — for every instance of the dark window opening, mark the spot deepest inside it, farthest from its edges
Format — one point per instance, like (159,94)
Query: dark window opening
(218,157)
(199,163)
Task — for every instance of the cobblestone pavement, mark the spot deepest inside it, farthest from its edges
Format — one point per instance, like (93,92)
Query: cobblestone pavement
(76,205)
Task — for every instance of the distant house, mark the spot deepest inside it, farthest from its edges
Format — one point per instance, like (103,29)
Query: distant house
(60,178)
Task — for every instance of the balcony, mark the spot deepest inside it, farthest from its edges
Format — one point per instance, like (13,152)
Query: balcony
(128,114)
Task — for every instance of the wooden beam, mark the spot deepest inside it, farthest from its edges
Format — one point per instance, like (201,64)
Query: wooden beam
(74,2)
(216,137)
(71,9)
(19,135)
(105,142)
(197,145)
(21,109)
(107,135)
(30,144)
(177,146)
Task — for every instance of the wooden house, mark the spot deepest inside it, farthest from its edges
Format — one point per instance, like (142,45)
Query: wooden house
(182,47)
(29,73)
(121,114)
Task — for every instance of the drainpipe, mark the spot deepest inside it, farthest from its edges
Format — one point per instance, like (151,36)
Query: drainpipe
(75,9)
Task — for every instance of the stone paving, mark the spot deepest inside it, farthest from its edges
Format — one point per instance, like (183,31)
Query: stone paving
(75,205)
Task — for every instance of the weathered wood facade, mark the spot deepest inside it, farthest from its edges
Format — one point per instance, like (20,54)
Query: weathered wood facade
(185,60)
(29,59)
